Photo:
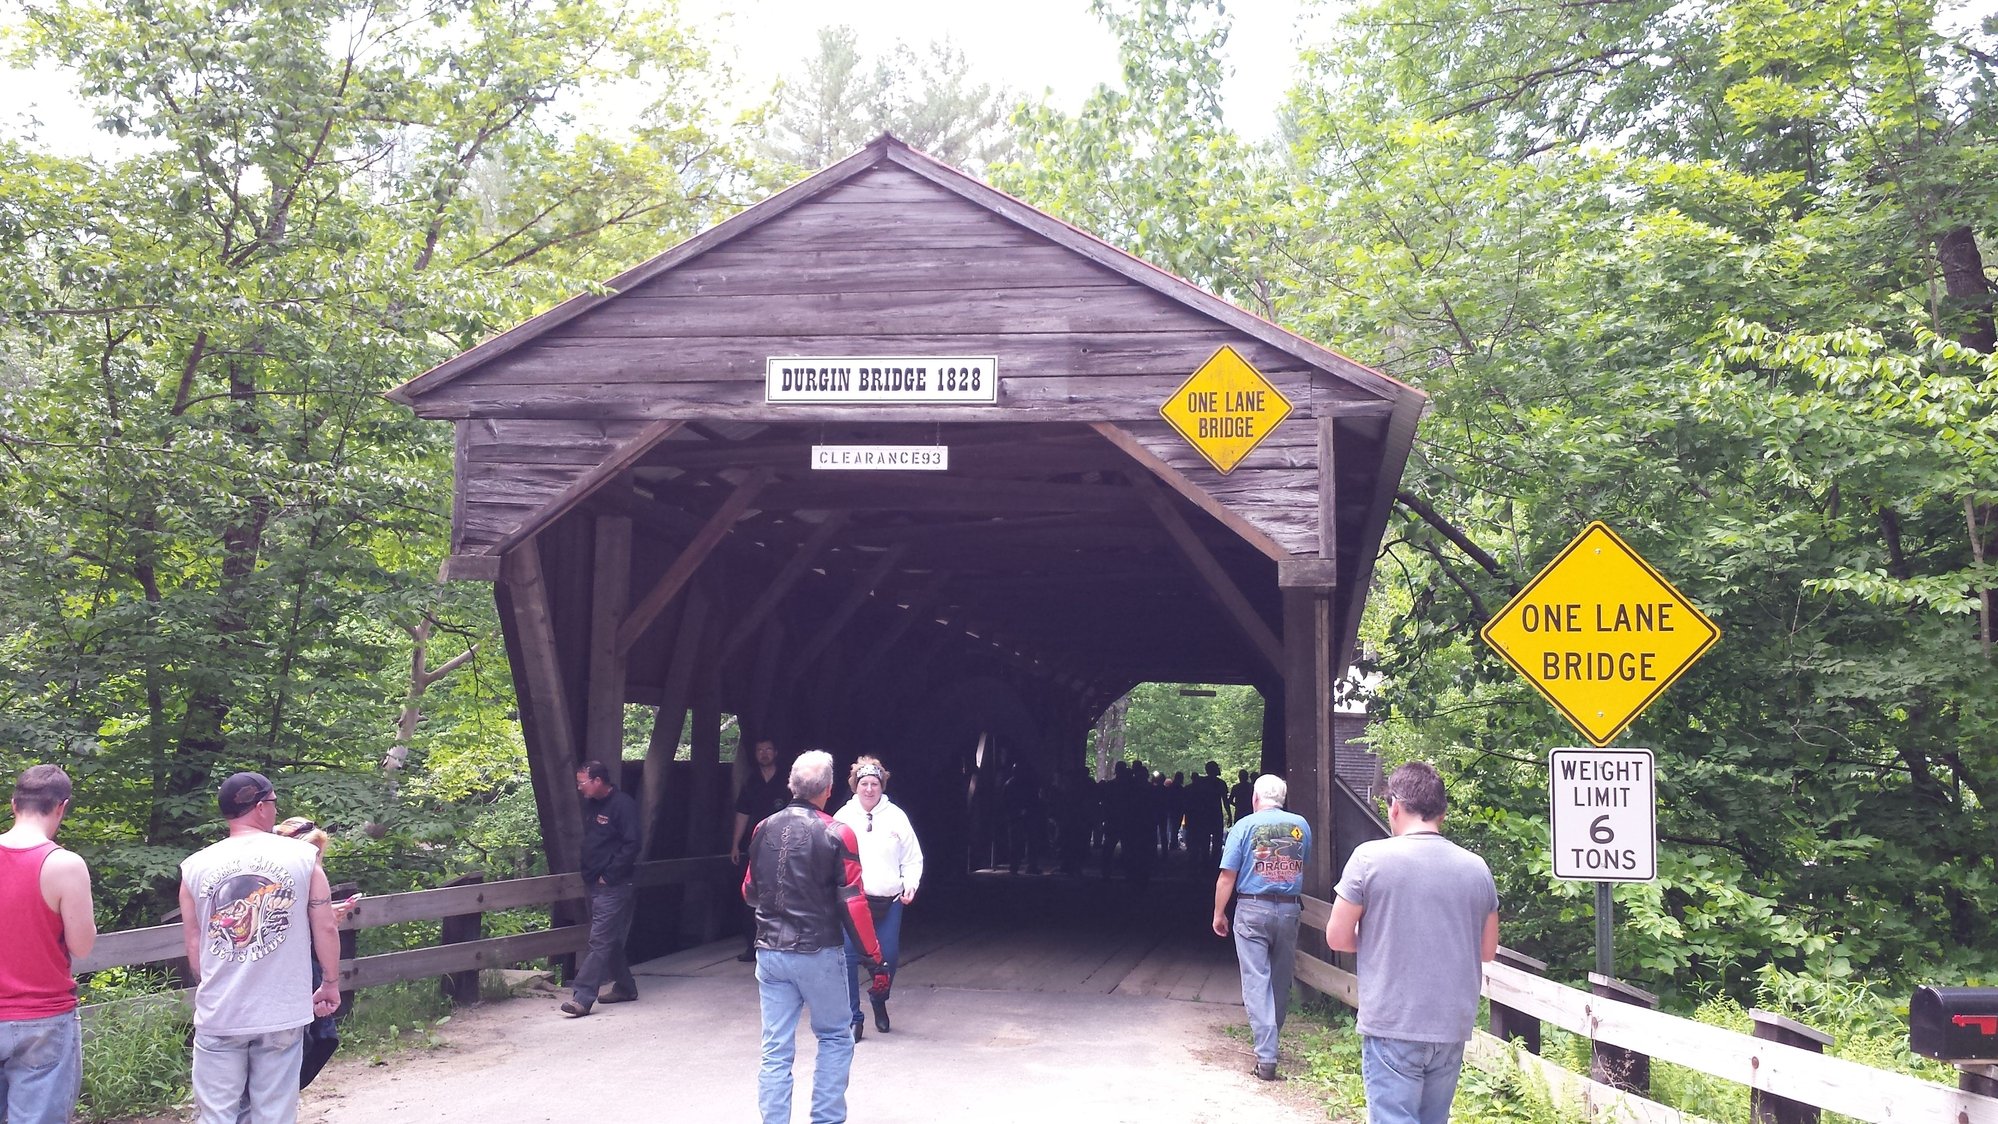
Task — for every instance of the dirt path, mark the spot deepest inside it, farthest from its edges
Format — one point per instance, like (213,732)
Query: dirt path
(688,1051)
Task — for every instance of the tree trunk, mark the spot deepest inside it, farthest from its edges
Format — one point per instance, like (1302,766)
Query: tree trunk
(1966,311)
(1110,737)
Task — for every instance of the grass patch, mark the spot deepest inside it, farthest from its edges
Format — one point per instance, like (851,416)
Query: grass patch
(398,1016)
(135,1054)
(1321,1051)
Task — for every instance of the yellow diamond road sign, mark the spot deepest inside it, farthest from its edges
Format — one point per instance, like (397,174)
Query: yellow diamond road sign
(1225,409)
(1600,633)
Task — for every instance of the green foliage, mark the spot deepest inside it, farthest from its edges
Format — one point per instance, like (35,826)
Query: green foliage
(1680,299)
(220,538)
(1150,167)
(1174,732)
(135,1053)
(926,98)
(394,1017)
(135,1056)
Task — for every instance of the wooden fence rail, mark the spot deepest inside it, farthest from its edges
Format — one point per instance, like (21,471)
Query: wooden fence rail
(1793,1073)
(163,942)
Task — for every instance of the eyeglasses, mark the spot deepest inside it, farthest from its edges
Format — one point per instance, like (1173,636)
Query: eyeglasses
(870,821)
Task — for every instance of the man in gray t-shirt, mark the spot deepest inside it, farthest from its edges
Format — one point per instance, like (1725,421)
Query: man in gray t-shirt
(1422,913)
(254,911)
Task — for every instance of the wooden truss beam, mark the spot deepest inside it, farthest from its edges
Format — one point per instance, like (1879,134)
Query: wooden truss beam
(855,598)
(773,593)
(676,576)
(1256,630)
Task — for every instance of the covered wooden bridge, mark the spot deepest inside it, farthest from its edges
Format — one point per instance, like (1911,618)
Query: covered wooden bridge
(645,477)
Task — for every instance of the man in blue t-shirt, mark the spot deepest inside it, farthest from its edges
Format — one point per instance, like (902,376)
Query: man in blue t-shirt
(1262,865)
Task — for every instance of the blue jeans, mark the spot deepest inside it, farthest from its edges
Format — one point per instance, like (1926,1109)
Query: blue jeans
(1409,1082)
(265,1066)
(786,981)
(41,1068)
(887,930)
(1266,950)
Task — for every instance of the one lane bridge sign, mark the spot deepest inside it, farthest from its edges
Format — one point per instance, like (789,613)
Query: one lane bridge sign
(1600,633)
(1225,409)
(1603,804)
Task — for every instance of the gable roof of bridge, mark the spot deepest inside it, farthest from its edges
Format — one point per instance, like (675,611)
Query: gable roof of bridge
(886,150)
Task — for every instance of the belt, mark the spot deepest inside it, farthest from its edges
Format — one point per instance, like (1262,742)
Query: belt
(1288,898)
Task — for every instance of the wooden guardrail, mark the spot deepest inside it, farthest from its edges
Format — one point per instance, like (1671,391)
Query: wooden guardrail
(164,942)
(1794,1074)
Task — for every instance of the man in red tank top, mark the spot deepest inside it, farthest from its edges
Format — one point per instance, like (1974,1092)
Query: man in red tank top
(45,895)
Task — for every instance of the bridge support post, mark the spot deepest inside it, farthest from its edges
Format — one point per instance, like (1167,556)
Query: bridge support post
(1615,1066)
(1511,1025)
(1976,1077)
(1768,1108)
(1307,702)
(461,987)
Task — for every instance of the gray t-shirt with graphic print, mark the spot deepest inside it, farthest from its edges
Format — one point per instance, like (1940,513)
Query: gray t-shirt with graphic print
(1425,901)
(250,901)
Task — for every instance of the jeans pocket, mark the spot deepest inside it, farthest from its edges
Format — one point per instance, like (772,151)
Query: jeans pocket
(1402,1059)
(41,1048)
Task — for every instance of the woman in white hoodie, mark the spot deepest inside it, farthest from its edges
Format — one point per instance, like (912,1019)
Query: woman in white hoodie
(891,867)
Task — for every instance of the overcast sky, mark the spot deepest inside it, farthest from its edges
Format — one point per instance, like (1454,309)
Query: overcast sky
(1031,46)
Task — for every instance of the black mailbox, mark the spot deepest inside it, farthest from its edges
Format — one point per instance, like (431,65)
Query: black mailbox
(1954,1024)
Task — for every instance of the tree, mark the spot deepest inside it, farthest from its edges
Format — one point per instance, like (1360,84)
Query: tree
(1151,167)
(1178,729)
(926,98)
(1690,270)
(219,535)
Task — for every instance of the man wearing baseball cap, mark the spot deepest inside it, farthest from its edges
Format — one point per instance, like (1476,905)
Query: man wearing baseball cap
(254,912)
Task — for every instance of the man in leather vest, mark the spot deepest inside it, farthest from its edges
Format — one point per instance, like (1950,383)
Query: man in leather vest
(803,881)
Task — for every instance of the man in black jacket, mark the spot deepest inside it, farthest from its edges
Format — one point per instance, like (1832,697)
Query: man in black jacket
(803,881)
(610,850)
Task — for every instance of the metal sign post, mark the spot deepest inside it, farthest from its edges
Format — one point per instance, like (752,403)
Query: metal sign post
(1603,811)
(1601,635)
(1605,932)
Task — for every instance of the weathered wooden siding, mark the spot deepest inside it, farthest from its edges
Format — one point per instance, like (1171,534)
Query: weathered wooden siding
(508,468)
(887,263)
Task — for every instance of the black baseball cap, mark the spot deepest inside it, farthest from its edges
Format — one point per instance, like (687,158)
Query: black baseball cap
(242,792)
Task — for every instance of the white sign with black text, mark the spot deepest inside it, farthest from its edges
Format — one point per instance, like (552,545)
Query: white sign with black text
(1603,804)
(898,381)
(933,458)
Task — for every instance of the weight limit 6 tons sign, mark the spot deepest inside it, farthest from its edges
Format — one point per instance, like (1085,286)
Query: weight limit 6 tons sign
(1605,814)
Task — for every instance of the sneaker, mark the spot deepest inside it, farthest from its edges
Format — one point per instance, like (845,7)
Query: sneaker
(1266,1071)
(574,1009)
(616,996)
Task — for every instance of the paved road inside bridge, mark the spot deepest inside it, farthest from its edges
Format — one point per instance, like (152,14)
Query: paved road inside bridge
(1055,999)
